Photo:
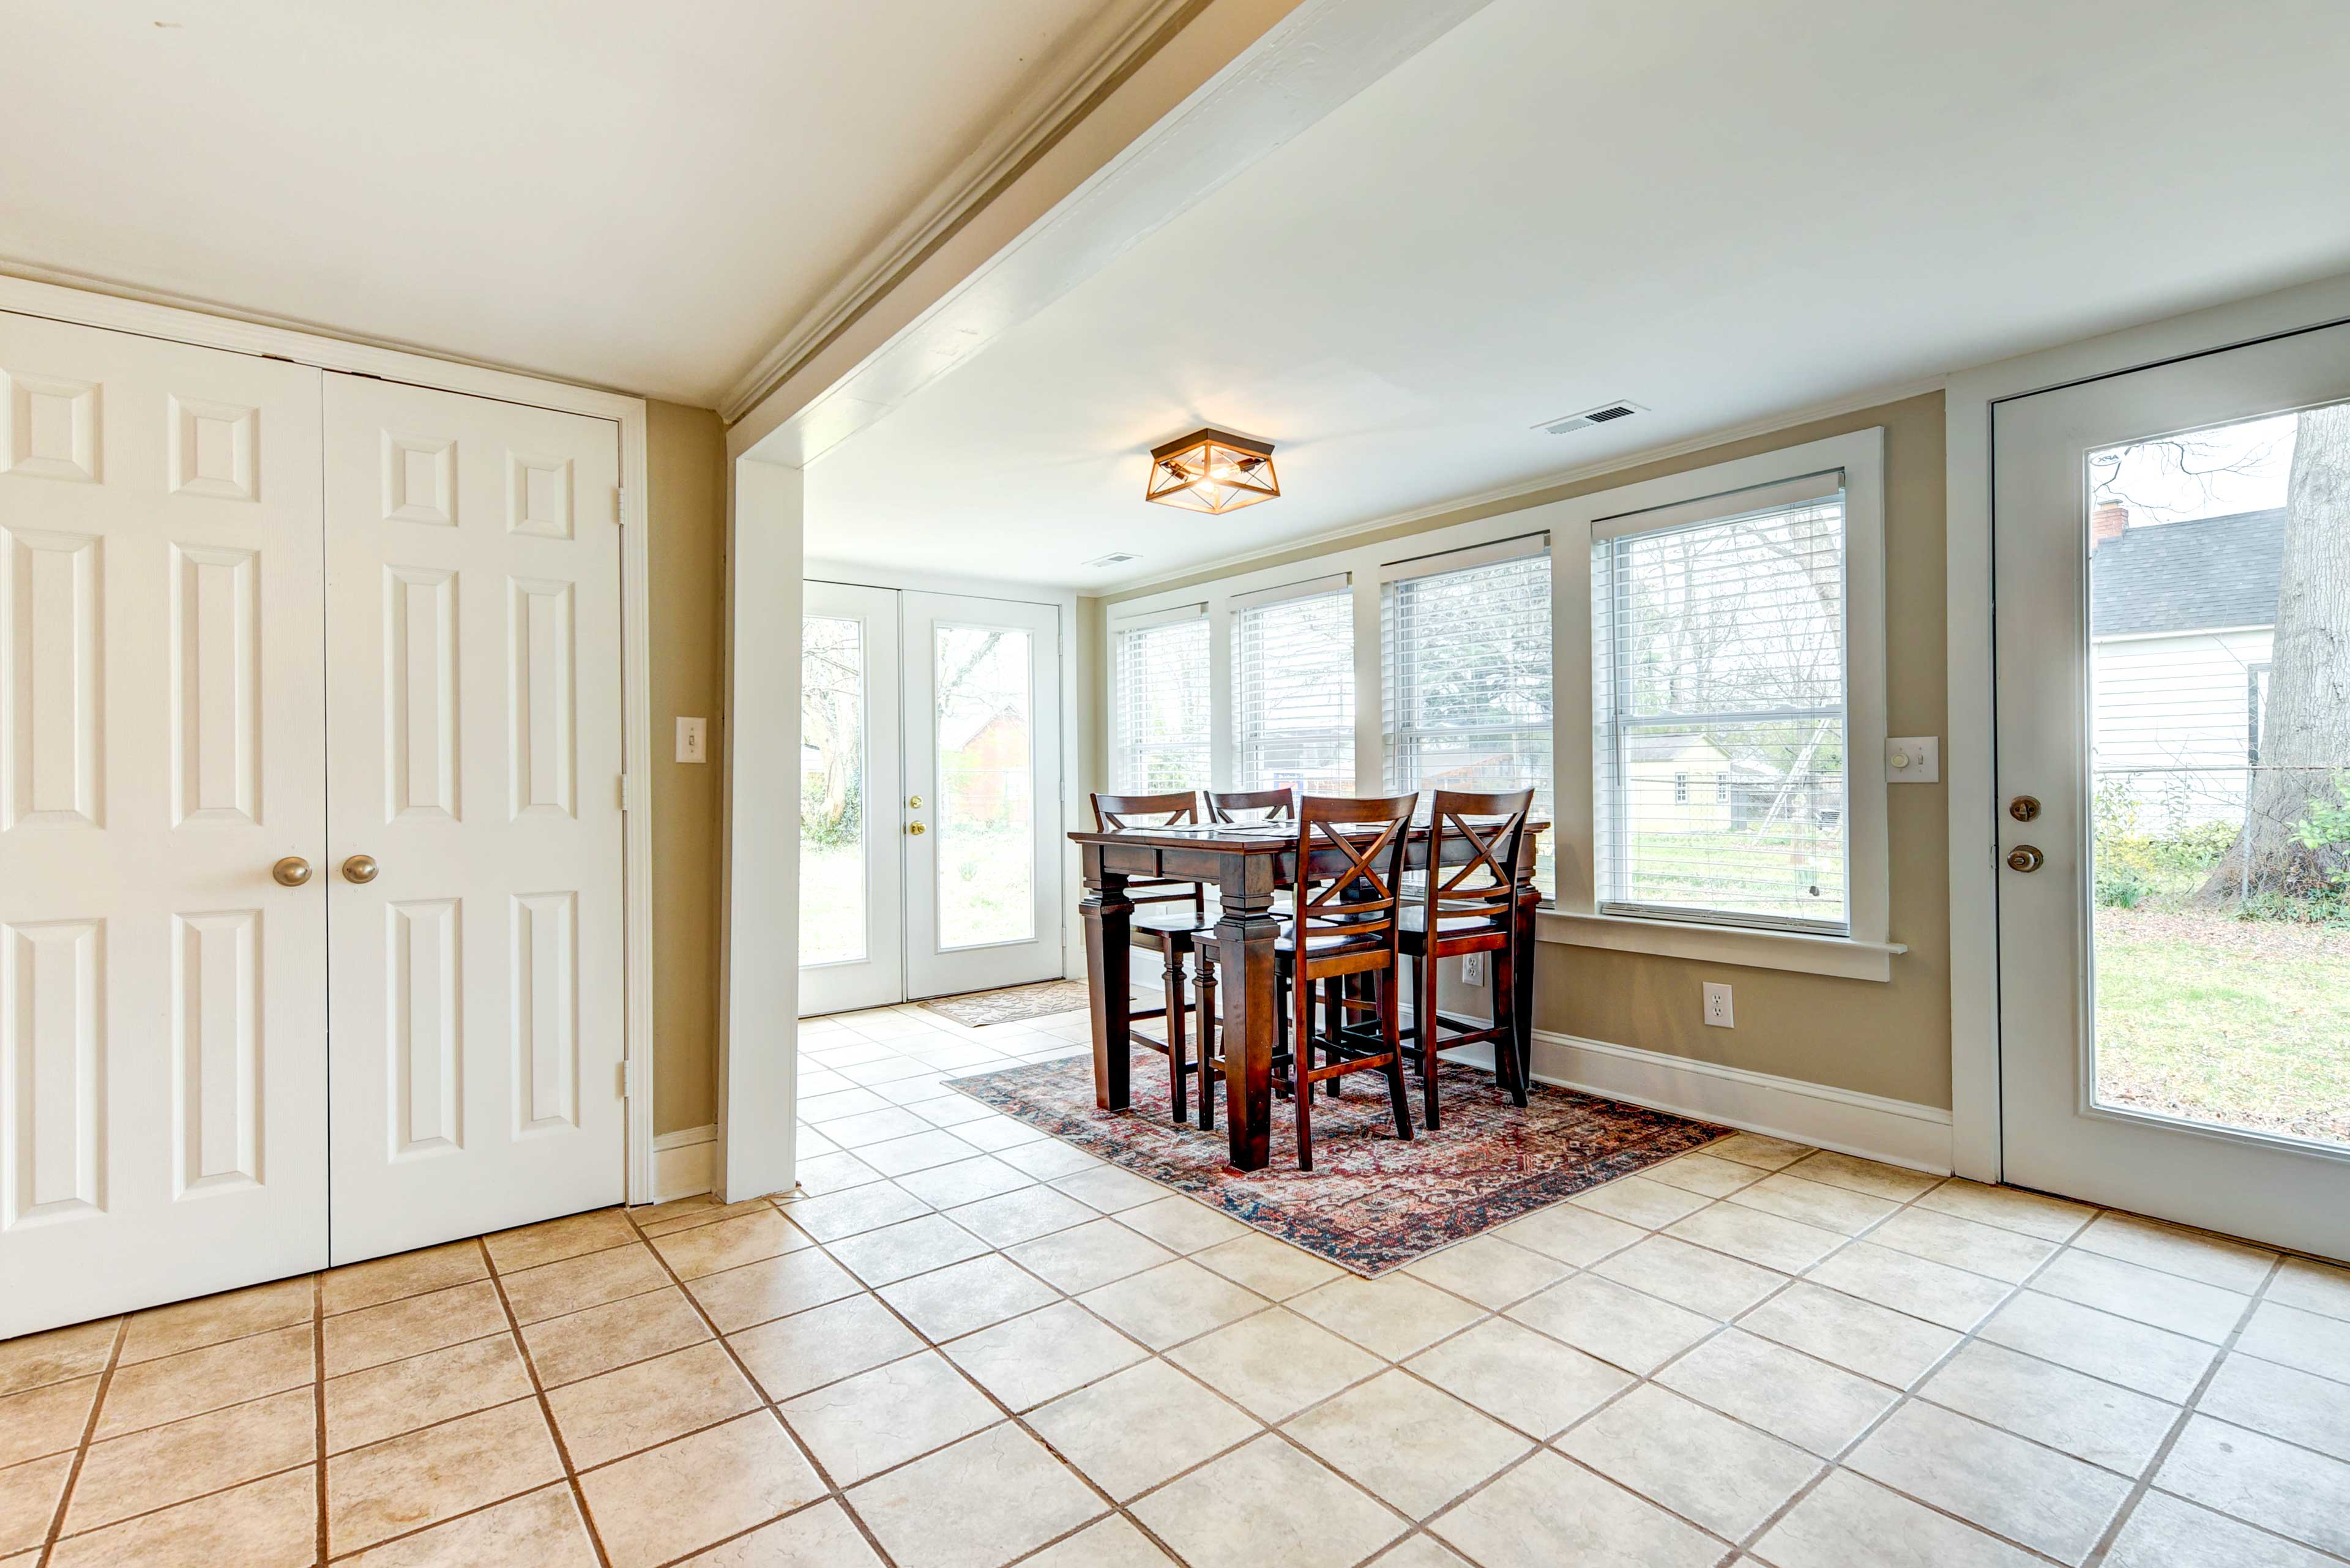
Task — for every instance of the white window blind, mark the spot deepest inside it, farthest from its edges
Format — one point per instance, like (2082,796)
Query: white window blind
(1720,712)
(1159,703)
(1294,690)
(1465,650)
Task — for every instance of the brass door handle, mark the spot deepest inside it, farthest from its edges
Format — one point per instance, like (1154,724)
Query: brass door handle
(360,869)
(2025,857)
(916,828)
(291,872)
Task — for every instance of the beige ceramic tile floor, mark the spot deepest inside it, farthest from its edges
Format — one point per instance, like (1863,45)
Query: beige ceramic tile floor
(965,1346)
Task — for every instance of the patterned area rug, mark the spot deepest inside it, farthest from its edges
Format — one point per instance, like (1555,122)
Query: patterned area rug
(1012,1004)
(1372,1201)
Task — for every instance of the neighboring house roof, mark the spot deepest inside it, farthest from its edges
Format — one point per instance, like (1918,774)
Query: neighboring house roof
(1653,747)
(2188,577)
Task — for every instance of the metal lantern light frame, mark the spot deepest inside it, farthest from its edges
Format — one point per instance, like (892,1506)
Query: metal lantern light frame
(1211,470)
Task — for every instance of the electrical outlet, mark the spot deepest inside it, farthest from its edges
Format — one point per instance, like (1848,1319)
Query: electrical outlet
(1472,969)
(1716,1005)
(694,740)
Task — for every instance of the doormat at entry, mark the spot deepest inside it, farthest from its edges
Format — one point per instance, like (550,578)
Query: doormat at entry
(1012,1004)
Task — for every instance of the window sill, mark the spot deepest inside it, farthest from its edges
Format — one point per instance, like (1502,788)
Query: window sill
(1840,957)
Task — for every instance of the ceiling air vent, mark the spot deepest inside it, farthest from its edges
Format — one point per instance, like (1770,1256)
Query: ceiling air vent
(1605,413)
(1114,559)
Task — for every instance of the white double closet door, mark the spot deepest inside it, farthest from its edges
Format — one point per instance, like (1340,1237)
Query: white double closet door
(930,846)
(258,620)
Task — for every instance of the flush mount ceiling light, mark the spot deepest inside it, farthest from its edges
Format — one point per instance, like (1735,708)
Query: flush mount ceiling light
(1211,470)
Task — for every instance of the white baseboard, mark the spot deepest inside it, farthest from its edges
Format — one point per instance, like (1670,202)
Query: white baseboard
(685,1162)
(1896,1132)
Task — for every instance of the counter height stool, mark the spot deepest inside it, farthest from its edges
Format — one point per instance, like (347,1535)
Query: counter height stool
(1346,930)
(1470,908)
(1171,918)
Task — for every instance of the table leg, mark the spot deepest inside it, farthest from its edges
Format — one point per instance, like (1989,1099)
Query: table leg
(1109,962)
(1244,938)
(1522,983)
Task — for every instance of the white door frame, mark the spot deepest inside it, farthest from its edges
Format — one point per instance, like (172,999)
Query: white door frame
(1971,786)
(244,336)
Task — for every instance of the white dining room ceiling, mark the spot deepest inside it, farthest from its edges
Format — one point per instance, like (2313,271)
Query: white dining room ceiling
(1723,212)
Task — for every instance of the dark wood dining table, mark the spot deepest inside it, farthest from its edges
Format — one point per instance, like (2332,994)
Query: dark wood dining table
(1245,864)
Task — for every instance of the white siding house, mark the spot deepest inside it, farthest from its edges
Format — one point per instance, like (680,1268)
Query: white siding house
(2181,618)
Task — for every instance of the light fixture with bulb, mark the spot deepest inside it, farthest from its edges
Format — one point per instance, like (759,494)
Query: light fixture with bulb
(1211,470)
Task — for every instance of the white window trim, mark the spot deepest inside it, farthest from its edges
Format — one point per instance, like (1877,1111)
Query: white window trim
(1573,919)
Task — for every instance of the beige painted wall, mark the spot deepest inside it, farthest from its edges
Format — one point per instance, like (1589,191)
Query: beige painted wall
(1891,1039)
(687,457)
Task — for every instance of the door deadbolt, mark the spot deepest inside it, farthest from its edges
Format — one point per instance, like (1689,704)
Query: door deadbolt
(2025,857)
(914,802)
(2024,807)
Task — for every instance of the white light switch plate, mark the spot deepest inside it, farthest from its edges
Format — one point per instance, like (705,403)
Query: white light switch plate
(1913,759)
(694,740)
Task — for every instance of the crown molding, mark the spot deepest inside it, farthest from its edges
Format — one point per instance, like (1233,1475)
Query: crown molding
(1109,49)
(263,322)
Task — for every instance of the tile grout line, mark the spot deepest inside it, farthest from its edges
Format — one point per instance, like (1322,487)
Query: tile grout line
(48,1548)
(832,1491)
(546,1411)
(2143,1482)
(1905,1394)
(929,1344)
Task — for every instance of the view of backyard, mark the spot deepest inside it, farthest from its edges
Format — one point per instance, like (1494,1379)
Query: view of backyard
(982,823)
(2222,776)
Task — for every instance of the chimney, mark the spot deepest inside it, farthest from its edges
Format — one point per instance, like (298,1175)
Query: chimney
(2108,519)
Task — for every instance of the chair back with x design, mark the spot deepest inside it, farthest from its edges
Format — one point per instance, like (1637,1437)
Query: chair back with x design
(1275,805)
(1113,811)
(1360,898)
(1481,891)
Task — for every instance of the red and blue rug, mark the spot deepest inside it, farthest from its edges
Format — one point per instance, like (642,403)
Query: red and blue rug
(1372,1201)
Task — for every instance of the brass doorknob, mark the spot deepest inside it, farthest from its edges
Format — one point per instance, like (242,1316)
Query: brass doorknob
(291,872)
(916,828)
(360,869)
(2025,857)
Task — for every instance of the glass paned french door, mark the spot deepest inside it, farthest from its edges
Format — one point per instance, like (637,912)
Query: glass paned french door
(982,834)
(931,845)
(2173,553)
(850,858)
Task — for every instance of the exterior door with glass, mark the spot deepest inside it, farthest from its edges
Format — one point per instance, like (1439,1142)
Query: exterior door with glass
(2173,643)
(981,811)
(851,844)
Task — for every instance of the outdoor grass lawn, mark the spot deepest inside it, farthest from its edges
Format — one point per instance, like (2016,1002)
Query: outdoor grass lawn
(983,893)
(2211,1018)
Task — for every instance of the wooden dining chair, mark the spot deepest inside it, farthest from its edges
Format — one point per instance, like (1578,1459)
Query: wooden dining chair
(1276,806)
(1343,937)
(1170,918)
(1471,908)
(1260,806)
